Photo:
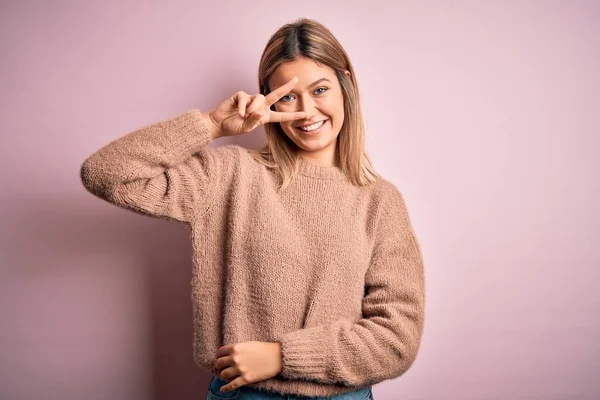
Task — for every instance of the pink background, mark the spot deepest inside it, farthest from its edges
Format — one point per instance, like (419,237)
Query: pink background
(485,115)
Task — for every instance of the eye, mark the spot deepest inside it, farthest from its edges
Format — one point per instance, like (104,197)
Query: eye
(285,101)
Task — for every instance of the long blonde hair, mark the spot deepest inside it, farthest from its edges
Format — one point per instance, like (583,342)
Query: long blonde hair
(308,38)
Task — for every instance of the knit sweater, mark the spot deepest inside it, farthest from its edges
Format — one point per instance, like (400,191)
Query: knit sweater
(330,270)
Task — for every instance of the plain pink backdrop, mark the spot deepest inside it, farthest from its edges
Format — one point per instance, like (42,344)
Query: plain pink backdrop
(484,113)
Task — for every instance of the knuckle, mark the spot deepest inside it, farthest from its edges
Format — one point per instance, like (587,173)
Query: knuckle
(247,377)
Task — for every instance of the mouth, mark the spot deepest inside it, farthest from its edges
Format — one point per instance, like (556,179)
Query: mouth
(312,129)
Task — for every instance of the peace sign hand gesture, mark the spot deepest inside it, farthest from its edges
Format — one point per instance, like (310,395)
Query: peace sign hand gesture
(231,117)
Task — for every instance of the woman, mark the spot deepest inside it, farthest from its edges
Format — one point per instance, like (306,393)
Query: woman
(308,279)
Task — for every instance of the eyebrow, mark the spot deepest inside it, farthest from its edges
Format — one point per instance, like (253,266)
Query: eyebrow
(319,80)
(314,83)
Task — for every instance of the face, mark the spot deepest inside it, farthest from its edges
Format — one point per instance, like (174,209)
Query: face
(319,94)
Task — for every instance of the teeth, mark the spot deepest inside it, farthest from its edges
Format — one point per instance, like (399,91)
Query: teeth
(312,127)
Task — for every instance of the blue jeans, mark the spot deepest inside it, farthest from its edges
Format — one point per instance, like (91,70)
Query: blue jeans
(248,393)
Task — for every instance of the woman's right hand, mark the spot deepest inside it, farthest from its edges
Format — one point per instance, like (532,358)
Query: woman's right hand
(241,113)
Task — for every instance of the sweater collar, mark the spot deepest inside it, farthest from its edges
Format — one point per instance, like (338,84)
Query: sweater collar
(319,171)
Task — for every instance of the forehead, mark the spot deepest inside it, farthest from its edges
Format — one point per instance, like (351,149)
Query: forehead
(305,69)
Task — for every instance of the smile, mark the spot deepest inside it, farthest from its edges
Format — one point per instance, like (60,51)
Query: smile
(314,128)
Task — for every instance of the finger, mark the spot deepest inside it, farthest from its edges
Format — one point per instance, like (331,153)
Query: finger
(224,350)
(278,116)
(242,101)
(234,384)
(254,120)
(258,101)
(281,91)
(223,362)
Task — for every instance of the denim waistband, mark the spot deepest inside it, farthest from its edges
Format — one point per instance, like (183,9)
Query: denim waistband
(216,383)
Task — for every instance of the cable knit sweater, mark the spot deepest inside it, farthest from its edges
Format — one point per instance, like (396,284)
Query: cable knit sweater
(332,271)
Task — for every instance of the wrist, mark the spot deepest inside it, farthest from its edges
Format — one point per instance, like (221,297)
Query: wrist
(213,129)
(279,355)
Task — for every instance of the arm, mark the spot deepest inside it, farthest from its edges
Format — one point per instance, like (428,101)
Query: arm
(164,170)
(383,344)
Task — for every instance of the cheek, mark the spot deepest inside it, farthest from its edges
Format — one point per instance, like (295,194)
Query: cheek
(335,110)
(286,126)
(334,105)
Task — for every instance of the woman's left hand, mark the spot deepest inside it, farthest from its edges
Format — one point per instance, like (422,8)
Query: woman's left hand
(247,362)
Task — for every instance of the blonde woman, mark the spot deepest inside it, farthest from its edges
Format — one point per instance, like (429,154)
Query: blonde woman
(308,279)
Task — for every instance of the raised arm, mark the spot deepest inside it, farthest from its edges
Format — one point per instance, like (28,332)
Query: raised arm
(165,170)
(384,343)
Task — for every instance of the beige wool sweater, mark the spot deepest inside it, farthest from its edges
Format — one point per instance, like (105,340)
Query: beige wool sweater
(332,271)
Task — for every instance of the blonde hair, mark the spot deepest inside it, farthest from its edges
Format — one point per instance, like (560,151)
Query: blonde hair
(309,38)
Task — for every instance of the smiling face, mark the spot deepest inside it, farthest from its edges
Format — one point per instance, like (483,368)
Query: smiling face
(319,94)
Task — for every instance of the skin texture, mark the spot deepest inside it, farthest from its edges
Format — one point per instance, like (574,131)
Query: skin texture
(241,113)
(247,362)
(324,100)
(297,102)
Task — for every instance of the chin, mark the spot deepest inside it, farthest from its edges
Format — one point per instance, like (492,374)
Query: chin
(315,145)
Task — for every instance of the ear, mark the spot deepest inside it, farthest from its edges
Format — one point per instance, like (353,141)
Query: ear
(348,74)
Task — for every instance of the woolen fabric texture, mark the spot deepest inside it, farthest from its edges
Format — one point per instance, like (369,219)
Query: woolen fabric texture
(332,271)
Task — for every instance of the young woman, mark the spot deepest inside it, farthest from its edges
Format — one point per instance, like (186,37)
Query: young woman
(308,279)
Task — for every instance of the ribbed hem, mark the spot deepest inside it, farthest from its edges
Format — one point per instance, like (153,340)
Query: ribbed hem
(309,168)
(305,353)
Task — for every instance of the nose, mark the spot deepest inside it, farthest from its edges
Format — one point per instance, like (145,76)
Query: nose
(307,104)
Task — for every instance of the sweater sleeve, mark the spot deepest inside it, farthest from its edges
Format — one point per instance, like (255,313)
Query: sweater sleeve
(165,170)
(384,343)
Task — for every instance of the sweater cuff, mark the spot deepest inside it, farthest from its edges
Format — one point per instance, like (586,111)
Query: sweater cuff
(305,353)
(188,131)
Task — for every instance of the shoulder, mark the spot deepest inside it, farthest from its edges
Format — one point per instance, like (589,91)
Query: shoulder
(226,157)
(385,194)
(237,161)
(253,161)
(228,151)
(220,163)
(390,212)
(234,152)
